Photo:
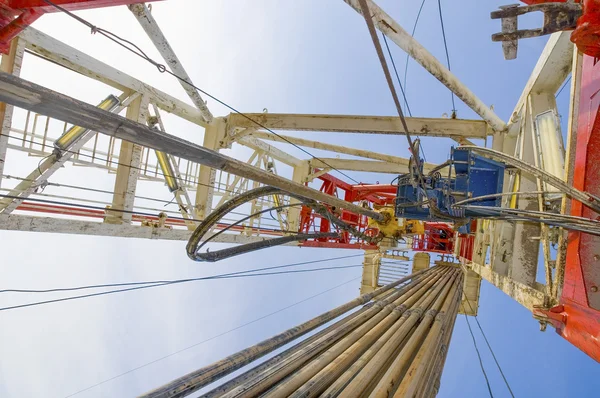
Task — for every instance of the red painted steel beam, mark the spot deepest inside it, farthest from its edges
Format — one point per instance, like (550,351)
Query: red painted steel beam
(532,2)
(577,318)
(71,5)
(16,15)
(586,34)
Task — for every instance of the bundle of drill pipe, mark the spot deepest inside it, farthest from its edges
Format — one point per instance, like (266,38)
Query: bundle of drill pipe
(394,346)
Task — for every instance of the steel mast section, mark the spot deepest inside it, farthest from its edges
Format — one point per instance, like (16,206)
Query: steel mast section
(505,254)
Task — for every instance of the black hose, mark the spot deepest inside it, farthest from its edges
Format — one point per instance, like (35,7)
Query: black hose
(193,247)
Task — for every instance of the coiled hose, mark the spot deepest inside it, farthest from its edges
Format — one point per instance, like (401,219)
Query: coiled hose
(194,244)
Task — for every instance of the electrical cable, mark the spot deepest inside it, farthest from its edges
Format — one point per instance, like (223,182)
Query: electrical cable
(495,213)
(211,338)
(586,198)
(412,35)
(479,356)
(397,77)
(386,71)
(78,187)
(85,287)
(69,298)
(490,348)
(258,213)
(563,86)
(498,195)
(447,54)
(540,214)
(163,69)
(40,163)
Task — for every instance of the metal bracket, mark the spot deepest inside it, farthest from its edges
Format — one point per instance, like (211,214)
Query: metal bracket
(557,17)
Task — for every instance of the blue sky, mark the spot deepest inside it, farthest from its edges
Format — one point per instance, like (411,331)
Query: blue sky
(292,57)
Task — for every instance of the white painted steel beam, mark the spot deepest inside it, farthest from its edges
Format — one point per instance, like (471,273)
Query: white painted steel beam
(145,18)
(33,97)
(329,147)
(372,166)
(11,63)
(299,176)
(275,153)
(128,170)
(18,222)
(370,271)
(525,295)
(73,59)
(388,26)
(213,135)
(549,73)
(425,127)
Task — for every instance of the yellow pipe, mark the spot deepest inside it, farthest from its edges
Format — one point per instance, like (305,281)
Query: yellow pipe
(66,140)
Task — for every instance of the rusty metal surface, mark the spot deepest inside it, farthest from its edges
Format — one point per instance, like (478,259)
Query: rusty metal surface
(557,17)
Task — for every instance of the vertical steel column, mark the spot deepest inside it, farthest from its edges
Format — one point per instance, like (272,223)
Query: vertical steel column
(11,63)
(128,171)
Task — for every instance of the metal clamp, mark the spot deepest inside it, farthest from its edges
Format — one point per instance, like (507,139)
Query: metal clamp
(557,17)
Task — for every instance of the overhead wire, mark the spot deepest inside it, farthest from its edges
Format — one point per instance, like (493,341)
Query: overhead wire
(163,69)
(85,287)
(447,54)
(79,187)
(487,381)
(397,77)
(210,338)
(563,86)
(490,348)
(412,35)
(149,286)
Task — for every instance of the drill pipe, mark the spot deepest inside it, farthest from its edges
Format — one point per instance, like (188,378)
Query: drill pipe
(197,379)
(390,380)
(426,381)
(385,348)
(333,362)
(250,374)
(361,383)
(283,368)
(441,318)
(427,352)
(432,385)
